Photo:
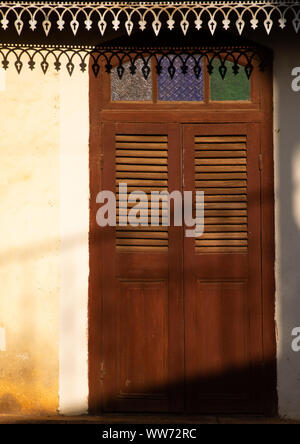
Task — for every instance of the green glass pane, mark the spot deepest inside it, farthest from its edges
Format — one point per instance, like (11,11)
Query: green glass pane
(232,87)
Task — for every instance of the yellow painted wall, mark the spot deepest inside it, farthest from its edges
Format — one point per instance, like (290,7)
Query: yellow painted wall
(29,242)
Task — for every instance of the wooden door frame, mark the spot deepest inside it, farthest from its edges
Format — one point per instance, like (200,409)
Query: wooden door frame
(262,114)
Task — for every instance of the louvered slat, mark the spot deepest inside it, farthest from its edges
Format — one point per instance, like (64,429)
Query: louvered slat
(221,172)
(142,163)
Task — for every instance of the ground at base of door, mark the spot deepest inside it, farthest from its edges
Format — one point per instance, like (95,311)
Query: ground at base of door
(143,419)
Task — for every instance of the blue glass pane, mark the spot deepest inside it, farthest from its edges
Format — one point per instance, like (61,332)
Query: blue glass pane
(182,87)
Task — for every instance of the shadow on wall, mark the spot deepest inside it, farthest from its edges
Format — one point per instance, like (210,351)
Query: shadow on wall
(287,216)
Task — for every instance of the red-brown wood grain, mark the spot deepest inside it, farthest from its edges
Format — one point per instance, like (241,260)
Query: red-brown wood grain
(179,329)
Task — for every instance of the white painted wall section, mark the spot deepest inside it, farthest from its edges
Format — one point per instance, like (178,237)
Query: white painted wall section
(74,226)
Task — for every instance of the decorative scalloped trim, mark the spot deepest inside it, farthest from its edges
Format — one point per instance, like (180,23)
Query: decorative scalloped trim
(93,16)
(106,58)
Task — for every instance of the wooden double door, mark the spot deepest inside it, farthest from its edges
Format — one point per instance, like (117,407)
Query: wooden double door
(181,326)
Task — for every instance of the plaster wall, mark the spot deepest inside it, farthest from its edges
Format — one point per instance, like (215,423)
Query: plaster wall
(44,207)
(29,242)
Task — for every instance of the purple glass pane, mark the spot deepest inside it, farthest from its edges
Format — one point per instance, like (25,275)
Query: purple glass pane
(182,87)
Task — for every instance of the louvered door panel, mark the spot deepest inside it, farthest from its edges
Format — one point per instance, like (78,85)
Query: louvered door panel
(142,163)
(222,270)
(221,172)
(142,281)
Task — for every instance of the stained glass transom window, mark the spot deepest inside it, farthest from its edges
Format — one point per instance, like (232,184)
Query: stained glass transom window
(180,79)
